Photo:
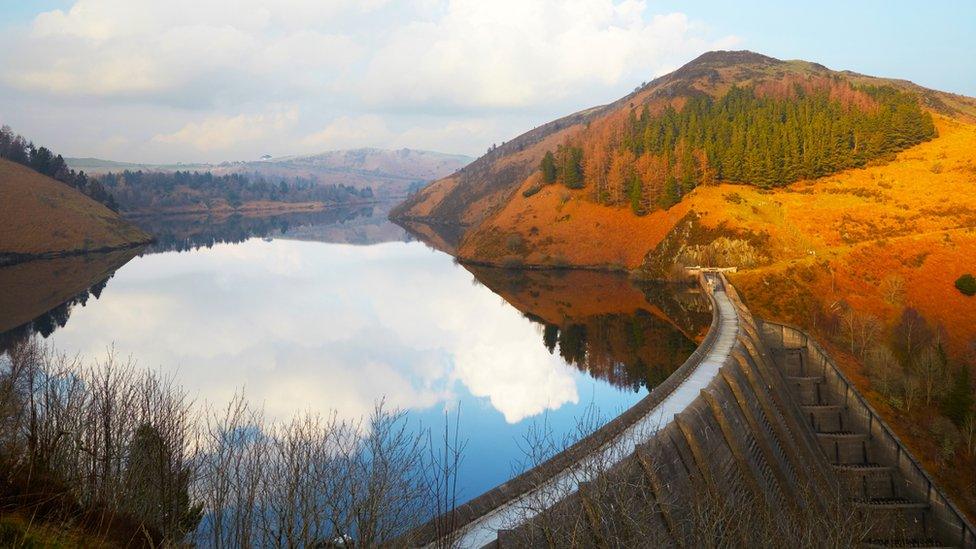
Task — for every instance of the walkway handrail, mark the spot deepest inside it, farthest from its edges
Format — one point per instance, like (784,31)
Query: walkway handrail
(967,533)
(527,481)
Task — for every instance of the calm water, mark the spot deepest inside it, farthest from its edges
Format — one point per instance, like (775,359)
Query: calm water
(336,310)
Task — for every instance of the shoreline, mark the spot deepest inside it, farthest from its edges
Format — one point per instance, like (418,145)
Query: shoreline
(272,208)
(13,258)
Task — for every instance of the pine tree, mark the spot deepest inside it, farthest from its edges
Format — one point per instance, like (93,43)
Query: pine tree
(788,130)
(571,167)
(958,402)
(548,167)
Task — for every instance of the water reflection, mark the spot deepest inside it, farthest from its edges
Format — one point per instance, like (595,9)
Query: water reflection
(627,334)
(307,322)
(361,225)
(39,296)
(296,322)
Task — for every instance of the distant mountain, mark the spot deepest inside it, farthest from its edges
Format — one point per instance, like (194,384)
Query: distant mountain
(96,166)
(387,172)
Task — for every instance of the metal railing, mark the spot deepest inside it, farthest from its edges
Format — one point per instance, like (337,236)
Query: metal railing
(950,521)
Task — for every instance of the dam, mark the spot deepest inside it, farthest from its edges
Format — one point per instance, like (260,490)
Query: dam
(758,428)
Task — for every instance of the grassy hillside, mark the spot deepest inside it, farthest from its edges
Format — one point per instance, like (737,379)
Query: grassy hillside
(43,217)
(875,114)
(861,245)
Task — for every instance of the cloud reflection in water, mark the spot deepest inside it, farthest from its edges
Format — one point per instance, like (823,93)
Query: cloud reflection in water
(315,327)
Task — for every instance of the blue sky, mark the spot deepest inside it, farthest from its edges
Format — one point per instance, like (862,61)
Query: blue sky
(930,43)
(213,80)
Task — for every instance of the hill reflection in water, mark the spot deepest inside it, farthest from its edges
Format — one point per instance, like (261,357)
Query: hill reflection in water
(39,296)
(359,225)
(628,334)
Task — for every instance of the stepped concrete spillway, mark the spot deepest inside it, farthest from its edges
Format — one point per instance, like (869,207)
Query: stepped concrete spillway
(758,413)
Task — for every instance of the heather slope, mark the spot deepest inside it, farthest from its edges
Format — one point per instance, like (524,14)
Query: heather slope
(485,187)
(43,217)
(852,215)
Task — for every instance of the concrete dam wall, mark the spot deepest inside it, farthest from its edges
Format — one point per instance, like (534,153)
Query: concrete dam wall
(757,439)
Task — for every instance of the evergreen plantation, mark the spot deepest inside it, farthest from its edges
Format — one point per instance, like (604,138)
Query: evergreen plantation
(767,135)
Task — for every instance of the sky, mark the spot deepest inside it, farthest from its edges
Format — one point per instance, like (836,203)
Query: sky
(215,80)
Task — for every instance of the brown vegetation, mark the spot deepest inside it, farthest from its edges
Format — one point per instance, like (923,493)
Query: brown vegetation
(114,456)
(42,216)
(858,246)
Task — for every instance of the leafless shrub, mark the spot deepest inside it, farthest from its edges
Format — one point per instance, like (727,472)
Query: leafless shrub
(123,439)
(969,433)
(109,436)
(861,329)
(883,369)
(893,290)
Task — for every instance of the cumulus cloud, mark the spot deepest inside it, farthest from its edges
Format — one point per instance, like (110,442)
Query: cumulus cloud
(517,53)
(223,132)
(454,75)
(372,130)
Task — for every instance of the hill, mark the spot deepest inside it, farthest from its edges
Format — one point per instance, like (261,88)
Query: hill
(46,218)
(387,172)
(845,201)
(599,134)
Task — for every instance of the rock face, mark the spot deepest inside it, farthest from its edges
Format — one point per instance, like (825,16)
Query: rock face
(41,217)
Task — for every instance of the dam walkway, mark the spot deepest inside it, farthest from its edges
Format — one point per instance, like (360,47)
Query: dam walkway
(758,418)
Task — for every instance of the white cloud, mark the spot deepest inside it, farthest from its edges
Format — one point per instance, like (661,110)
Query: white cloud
(452,75)
(223,132)
(372,130)
(178,52)
(517,53)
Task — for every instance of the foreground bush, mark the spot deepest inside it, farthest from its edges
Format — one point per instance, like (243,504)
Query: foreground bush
(77,438)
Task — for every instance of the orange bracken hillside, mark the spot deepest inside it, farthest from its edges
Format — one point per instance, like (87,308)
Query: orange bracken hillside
(43,217)
(852,255)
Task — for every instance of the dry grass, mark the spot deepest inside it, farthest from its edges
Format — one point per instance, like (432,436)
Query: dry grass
(41,215)
(577,230)
(19,531)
